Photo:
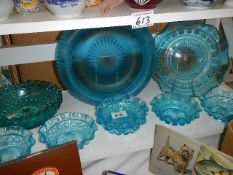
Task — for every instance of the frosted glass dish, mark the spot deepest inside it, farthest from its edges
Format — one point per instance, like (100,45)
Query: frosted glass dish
(191,58)
(28,104)
(175,109)
(69,126)
(219,104)
(121,116)
(15,142)
(95,64)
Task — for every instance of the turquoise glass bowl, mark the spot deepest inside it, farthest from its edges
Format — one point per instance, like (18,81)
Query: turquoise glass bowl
(95,64)
(66,127)
(15,142)
(28,104)
(175,109)
(191,58)
(219,104)
(121,116)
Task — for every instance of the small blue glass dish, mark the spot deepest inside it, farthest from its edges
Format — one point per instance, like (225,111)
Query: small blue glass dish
(28,104)
(95,64)
(121,116)
(15,142)
(219,104)
(66,127)
(192,58)
(175,109)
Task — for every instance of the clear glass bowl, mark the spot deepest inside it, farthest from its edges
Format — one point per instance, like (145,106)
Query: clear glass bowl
(14,143)
(28,104)
(121,116)
(219,104)
(69,126)
(175,109)
(191,58)
(95,64)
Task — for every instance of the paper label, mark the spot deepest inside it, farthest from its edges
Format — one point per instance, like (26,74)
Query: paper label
(142,19)
(120,114)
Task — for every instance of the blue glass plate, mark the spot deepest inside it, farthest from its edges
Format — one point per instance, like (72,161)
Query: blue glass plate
(191,58)
(28,104)
(121,116)
(95,64)
(175,109)
(219,104)
(69,126)
(14,143)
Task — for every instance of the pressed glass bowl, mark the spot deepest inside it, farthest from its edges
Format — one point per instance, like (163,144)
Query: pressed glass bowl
(121,116)
(69,126)
(191,58)
(219,104)
(175,109)
(14,143)
(28,104)
(198,3)
(95,64)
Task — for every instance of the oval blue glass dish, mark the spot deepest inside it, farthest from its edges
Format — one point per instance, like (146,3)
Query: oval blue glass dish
(175,109)
(219,104)
(66,127)
(121,116)
(191,58)
(28,104)
(15,142)
(95,64)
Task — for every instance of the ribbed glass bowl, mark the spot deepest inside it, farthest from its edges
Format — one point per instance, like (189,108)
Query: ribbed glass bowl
(175,109)
(69,126)
(14,143)
(219,104)
(28,104)
(121,116)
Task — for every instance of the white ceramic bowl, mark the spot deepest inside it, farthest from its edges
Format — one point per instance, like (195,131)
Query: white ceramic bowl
(65,9)
(6,7)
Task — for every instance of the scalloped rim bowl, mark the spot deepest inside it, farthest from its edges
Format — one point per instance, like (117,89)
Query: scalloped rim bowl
(175,109)
(68,126)
(14,143)
(121,116)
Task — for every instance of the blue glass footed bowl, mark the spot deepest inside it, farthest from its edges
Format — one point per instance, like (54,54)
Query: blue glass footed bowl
(28,104)
(191,58)
(66,127)
(175,109)
(95,64)
(121,116)
(219,104)
(15,142)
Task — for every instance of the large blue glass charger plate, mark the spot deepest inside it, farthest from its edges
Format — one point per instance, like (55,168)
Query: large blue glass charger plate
(95,64)
(121,116)
(66,127)
(175,109)
(191,58)
(15,142)
(219,104)
(28,104)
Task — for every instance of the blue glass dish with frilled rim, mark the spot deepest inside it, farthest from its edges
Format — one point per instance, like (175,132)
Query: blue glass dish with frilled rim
(191,58)
(28,104)
(219,104)
(121,116)
(95,64)
(175,109)
(66,127)
(15,142)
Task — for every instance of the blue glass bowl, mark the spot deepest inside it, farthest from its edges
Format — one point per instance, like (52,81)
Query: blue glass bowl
(191,58)
(121,116)
(69,126)
(14,143)
(95,64)
(219,104)
(175,109)
(28,104)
